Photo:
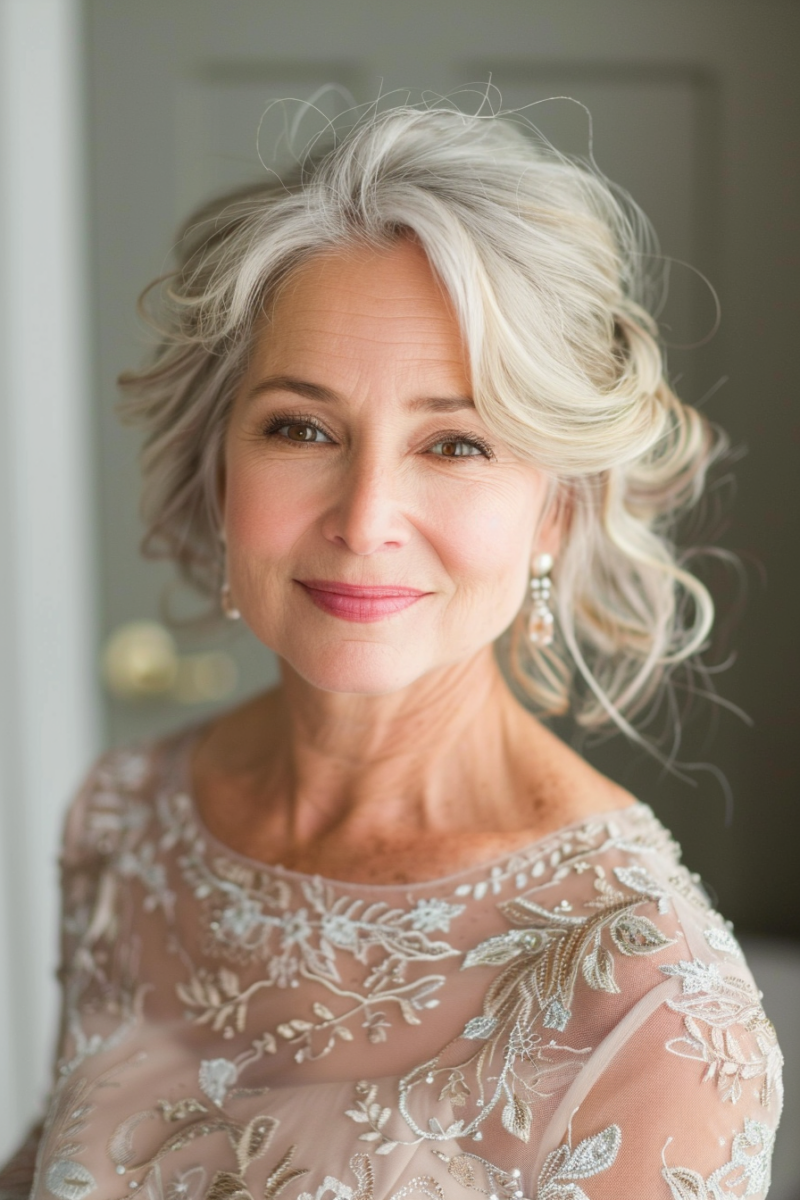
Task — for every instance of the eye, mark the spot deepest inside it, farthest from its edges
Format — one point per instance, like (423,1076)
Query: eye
(454,446)
(302,432)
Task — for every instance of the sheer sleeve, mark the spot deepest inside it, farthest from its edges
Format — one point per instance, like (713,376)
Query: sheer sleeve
(682,1099)
(17,1175)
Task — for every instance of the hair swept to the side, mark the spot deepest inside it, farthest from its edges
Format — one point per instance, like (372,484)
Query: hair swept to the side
(542,259)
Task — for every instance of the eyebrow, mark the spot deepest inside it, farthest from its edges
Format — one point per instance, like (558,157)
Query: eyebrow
(315,391)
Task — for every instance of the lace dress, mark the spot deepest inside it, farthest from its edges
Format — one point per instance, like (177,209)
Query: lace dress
(571,1021)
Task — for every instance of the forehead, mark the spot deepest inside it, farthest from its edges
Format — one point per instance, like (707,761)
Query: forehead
(364,302)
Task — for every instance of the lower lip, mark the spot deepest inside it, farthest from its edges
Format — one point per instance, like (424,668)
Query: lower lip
(364,608)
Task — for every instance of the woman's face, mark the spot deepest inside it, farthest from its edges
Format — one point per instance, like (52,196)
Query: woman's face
(376,530)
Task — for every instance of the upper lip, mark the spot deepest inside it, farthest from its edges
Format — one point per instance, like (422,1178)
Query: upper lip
(374,591)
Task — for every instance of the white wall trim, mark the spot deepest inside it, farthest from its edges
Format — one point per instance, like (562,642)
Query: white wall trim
(49,708)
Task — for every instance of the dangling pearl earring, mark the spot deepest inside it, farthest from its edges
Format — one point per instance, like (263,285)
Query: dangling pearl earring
(541,622)
(226,603)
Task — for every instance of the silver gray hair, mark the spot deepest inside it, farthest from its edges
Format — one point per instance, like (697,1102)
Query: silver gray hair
(542,260)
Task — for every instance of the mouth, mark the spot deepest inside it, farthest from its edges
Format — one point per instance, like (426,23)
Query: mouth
(350,602)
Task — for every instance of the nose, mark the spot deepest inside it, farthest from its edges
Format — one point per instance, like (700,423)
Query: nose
(366,514)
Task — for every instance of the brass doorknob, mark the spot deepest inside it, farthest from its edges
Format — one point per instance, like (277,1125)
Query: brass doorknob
(141,662)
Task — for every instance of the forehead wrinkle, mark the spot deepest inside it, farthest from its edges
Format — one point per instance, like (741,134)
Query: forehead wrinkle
(305,341)
(424,328)
(319,392)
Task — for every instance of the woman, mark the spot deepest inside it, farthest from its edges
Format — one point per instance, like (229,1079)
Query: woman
(378,933)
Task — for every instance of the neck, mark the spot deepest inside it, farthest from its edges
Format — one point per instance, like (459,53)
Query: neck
(420,759)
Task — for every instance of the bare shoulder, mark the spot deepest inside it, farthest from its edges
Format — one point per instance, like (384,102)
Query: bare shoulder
(556,785)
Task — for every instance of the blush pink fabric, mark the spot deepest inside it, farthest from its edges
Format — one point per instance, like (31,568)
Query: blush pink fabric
(571,1021)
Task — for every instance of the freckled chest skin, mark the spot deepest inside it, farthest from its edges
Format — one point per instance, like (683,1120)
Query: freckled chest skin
(393,748)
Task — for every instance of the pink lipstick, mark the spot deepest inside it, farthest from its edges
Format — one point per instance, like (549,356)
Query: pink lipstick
(362,604)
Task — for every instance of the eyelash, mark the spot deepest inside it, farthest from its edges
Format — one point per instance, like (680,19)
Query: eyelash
(279,420)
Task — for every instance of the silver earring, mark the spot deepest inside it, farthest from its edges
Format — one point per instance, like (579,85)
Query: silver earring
(226,603)
(541,622)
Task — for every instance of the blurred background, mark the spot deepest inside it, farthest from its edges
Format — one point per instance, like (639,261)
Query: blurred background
(116,118)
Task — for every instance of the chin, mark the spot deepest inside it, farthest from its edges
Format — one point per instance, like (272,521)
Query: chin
(365,669)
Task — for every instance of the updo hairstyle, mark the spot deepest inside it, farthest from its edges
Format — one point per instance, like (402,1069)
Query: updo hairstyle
(542,260)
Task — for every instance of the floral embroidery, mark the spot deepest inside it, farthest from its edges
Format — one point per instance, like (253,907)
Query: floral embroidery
(217,1076)
(72,1105)
(249,1143)
(472,1171)
(152,877)
(723,941)
(64,1176)
(564,1166)
(250,919)
(188,1184)
(711,1005)
(542,960)
(368,1111)
(334,1189)
(748,1168)
(250,1146)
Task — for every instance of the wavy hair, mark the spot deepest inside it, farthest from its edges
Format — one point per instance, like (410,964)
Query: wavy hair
(542,259)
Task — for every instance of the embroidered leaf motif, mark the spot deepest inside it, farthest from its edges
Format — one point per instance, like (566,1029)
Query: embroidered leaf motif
(69,1180)
(120,1146)
(517,1118)
(598,970)
(225,1186)
(639,880)
(362,1169)
(462,1170)
(552,1168)
(229,982)
(495,951)
(556,1016)
(409,1016)
(749,1165)
(593,1154)
(637,935)
(181,1109)
(255,1140)
(685,1184)
(711,1005)
(563,1166)
(190,1134)
(724,941)
(480,1027)
(283,1175)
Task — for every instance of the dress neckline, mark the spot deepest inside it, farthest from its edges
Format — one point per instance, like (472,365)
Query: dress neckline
(180,772)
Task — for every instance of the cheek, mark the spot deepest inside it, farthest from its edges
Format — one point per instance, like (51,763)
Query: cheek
(265,512)
(486,534)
